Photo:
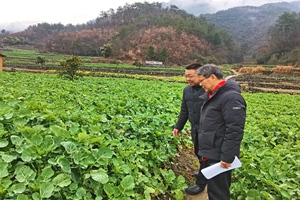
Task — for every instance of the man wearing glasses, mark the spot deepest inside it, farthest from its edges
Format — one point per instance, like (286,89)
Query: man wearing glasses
(221,127)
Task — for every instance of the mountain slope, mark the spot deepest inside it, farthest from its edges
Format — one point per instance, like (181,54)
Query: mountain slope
(137,32)
(248,24)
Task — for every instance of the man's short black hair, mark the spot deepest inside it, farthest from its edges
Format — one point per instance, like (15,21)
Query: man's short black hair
(194,66)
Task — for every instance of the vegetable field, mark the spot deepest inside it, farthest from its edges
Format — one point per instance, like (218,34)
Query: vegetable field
(93,138)
(270,149)
(109,138)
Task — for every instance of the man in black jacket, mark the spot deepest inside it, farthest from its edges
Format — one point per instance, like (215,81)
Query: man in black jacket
(190,110)
(221,127)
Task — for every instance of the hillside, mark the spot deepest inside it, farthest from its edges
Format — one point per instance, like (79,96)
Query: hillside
(135,33)
(249,25)
(153,31)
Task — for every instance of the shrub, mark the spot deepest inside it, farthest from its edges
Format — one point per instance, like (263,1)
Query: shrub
(70,67)
(40,60)
(106,50)
(137,63)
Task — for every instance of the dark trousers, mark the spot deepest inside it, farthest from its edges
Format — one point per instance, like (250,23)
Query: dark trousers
(200,178)
(218,187)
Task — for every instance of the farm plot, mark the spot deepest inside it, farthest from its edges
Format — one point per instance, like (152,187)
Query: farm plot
(270,149)
(95,138)
(108,138)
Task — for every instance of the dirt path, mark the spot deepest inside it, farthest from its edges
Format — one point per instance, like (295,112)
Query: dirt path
(186,164)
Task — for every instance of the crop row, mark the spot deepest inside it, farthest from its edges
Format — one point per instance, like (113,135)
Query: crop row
(110,138)
(27,58)
(270,149)
(96,138)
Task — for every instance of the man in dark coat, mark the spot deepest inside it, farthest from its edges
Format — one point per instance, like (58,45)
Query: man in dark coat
(190,110)
(221,127)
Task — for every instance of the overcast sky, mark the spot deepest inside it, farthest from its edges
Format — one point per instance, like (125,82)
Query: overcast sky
(81,11)
(225,4)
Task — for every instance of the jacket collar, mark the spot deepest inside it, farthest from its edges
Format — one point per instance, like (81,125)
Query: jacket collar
(221,84)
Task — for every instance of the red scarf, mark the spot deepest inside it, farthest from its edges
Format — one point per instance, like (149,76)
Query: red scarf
(222,83)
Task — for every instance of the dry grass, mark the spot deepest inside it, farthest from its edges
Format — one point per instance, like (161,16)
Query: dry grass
(246,70)
(283,69)
(250,70)
(259,69)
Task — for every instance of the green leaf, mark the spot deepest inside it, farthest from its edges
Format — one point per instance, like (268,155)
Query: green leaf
(59,131)
(127,183)
(8,115)
(47,173)
(2,132)
(99,176)
(64,164)
(149,190)
(28,154)
(8,158)
(168,175)
(3,169)
(252,193)
(125,169)
(52,161)
(178,194)
(5,183)
(3,142)
(285,194)
(80,192)
(48,143)
(24,173)
(83,137)
(104,153)
(46,189)
(266,195)
(103,118)
(73,186)
(70,147)
(22,197)
(18,188)
(110,190)
(36,140)
(74,127)
(62,180)
(16,140)
(36,196)
(180,182)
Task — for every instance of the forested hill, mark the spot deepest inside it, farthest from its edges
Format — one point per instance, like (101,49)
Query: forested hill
(249,25)
(136,32)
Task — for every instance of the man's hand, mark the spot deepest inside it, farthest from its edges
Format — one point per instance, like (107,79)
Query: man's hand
(225,165)
(176,132)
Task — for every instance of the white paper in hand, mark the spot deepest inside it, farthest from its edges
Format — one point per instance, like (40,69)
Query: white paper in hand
(216,169)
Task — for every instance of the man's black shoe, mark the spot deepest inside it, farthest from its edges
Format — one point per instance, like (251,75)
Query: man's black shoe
(194,189)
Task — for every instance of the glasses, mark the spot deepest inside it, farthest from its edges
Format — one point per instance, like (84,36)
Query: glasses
(200,81)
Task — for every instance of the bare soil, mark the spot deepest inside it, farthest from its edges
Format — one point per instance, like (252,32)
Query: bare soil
(186,164)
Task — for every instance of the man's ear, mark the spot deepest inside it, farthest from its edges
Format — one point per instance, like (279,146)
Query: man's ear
(213,77)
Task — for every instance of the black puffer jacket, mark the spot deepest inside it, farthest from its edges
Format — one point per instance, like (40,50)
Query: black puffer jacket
(222,122)
(190,108)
